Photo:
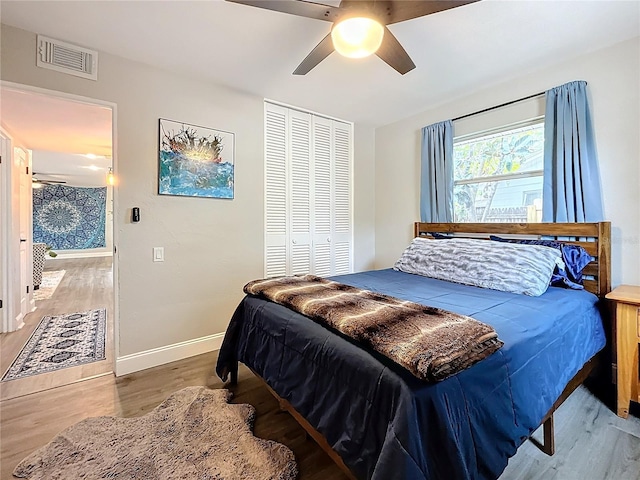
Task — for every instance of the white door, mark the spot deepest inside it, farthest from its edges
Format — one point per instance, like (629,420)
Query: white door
(341,239)
(332,243)
(300,193)
(22,162)
(322,194)
(16,241)
(276,218)
(308,218)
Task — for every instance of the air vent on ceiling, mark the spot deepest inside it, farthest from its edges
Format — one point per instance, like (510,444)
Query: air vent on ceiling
(67,58)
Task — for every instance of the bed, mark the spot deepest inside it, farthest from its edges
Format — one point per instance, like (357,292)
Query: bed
(377,421)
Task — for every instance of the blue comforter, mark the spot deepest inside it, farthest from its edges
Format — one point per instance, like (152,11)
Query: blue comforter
(385,423)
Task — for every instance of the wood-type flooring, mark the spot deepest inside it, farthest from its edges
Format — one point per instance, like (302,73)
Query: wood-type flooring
(592,443)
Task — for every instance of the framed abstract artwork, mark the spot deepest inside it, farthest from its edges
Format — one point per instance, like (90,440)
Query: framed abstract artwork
(195,161)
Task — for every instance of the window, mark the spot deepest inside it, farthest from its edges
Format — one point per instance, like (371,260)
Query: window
(498,175)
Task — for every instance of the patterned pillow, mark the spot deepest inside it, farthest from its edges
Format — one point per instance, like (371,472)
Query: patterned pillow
(509,267)
(574,257)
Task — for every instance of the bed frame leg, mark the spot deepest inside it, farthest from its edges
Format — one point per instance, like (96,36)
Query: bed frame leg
(233,375)
(549,445)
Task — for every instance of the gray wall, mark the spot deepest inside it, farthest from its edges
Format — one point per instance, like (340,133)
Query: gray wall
(212,247)
(613,75)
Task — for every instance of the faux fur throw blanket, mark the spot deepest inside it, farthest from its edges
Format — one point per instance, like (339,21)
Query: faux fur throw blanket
(431,343)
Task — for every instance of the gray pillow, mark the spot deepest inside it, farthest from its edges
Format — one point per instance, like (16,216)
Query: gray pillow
(509,267)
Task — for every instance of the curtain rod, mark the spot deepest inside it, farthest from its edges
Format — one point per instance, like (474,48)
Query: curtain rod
(498,106)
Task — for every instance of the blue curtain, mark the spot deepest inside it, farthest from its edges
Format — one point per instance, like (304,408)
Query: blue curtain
(436,179)
(571,191)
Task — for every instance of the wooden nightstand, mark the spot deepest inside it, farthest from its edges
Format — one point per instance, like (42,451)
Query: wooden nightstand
(627,298)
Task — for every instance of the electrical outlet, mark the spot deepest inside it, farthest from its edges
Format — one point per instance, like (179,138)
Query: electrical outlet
(158,254)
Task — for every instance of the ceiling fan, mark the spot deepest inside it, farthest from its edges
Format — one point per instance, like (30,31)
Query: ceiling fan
(39,183)
(359,26)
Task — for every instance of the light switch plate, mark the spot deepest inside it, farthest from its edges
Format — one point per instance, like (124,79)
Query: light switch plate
(158,254)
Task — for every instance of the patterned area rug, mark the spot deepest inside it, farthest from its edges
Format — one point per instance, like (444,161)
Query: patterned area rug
(61,341)
(193,434)
(50,281)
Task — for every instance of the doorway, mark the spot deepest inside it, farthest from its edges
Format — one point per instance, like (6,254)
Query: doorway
(57,270)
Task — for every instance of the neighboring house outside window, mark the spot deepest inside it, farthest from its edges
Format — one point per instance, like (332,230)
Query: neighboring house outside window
(498,174)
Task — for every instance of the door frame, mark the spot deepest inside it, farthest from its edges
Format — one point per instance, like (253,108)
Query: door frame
(5,201)
(4,213)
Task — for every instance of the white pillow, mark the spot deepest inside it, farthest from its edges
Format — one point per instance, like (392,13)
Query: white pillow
(509,267)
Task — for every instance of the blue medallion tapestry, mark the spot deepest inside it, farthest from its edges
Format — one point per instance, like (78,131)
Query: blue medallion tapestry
(69,218)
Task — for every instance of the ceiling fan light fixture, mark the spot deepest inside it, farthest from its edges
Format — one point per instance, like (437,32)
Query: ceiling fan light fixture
(357,37)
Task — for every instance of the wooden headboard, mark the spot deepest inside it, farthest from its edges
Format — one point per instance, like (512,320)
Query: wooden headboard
(595,238)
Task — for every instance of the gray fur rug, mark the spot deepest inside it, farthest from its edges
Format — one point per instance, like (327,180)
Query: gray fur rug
(193,434)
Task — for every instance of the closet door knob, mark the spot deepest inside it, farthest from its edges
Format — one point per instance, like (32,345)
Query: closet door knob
(329,239)
(294,241)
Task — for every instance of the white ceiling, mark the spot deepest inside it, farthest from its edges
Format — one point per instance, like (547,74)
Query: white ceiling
(70,141)
(74,169)
(255,50)
(43,122)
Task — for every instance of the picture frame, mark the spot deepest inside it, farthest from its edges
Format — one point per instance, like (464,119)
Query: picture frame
(195,161)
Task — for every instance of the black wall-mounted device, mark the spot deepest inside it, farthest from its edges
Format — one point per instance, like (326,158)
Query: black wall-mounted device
(135,214)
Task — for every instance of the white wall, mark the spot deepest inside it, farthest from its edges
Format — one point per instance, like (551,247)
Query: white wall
(613,76)
(364,201)
(212,247)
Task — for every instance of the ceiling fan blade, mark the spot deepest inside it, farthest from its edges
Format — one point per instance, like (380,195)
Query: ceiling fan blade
(35,179)
(401,10)
(322,51)
(46,182)
(302,8)
(394,54)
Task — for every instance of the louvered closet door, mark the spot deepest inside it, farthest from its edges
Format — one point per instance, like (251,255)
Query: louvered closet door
(322,194)
(300,193)
(276,195)
(307,194)
(342,248)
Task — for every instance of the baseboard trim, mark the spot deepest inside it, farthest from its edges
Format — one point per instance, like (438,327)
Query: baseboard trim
(63,255)
(18,323)
(167,354)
